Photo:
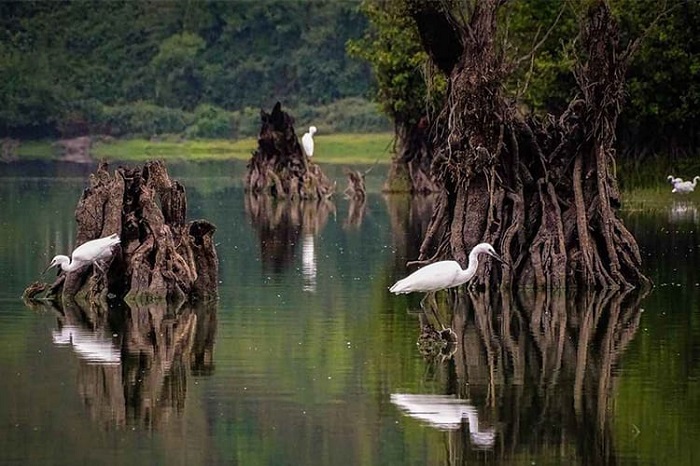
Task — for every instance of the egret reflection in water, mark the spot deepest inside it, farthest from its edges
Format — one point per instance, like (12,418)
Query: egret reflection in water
(282,226)
(135,360)
(682,212)
(547,356)
(92,346)
(308,262)
(448,413)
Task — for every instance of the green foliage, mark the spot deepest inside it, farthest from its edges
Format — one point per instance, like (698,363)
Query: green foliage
(144,119)
(57,56)
(542,80)
(662,114)
(352,115)
(176,71)
(393,49)
(90,66)
(211,122)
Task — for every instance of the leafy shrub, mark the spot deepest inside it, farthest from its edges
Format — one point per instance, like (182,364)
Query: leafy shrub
(144,119)
(211,122)
(351,115)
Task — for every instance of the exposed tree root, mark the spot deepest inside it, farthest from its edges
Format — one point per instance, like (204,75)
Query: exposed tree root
(541,190)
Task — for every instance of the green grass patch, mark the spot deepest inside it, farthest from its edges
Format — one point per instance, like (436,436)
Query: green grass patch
(37,150)
(347,148)
(138,150)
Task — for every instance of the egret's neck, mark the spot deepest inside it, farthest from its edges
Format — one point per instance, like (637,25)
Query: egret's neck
(66,263)
(469,272)
(695,180)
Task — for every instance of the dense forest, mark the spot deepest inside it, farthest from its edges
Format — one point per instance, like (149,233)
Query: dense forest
(151,67)
(204,69)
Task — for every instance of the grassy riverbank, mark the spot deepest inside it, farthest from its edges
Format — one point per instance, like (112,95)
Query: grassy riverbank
(332,148)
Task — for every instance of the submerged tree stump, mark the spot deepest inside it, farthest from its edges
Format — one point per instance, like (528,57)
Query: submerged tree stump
(279,167)
(161,255)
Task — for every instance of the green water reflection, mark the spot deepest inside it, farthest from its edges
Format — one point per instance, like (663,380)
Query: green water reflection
(298,361)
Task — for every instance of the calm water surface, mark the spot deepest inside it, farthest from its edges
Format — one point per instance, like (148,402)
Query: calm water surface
(307,359)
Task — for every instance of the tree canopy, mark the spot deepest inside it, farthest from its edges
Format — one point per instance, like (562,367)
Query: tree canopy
(94,66)
(64,61)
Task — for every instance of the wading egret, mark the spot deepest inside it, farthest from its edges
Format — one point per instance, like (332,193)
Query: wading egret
(87,253)
(307,141)
(443,274)
(685,187)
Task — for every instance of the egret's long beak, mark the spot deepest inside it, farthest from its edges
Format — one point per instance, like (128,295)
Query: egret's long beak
(497,257)
(47,269)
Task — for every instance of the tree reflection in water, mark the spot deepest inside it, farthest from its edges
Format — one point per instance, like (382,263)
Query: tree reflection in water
(281,222)
(134,359)
(540,367)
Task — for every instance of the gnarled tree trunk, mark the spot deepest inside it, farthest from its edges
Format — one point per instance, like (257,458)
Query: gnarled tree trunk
(542,191)
(161,255)
(279,167)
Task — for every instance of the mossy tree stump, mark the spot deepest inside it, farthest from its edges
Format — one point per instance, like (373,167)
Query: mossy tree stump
(161,255)
(279,166)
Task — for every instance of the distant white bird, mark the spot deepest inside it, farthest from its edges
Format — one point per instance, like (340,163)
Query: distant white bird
(307,141)
(685,187)
(87,253)
(443,274)
(446,412)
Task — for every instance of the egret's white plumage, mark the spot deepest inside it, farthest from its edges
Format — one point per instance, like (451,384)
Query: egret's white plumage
(685,187)
(87,253)
(443,274)
(307,141)
(674,180)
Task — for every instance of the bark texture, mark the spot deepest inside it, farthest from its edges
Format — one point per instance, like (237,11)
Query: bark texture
(279,166)
(543,192)
(161,255)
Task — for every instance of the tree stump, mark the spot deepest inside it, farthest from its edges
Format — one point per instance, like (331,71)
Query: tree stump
(161,255)
(279,167)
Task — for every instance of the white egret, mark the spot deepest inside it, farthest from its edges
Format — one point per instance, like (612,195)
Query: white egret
(307,141)
(87,253)
(444,274)
(685,187)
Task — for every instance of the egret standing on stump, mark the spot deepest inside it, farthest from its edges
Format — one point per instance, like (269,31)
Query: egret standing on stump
(87,253)
(307,141)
